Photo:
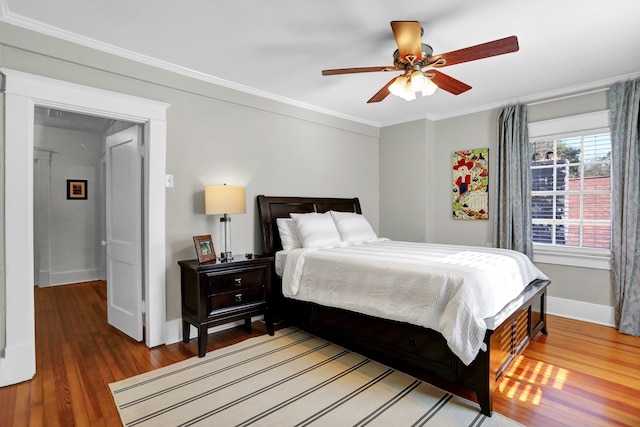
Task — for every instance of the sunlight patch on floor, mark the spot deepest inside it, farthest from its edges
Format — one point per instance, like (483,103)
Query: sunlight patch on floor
(526,379)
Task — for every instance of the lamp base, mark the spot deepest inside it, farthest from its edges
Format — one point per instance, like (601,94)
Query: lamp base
(225,233)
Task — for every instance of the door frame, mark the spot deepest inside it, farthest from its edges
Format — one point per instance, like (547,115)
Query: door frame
(23,92)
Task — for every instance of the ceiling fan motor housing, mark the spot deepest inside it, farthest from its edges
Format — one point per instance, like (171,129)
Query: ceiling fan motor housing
(409,61)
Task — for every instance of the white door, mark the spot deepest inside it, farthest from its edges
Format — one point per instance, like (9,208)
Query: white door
(124,231)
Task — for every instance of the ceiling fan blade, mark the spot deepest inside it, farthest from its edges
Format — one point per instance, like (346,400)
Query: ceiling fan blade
(382,93)
(448,83)
(357,70)
(408,37)
(473,53)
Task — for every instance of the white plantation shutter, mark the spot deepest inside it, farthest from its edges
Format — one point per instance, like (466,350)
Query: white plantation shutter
(571,191)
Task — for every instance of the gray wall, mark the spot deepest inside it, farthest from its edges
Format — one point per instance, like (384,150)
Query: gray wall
(455,134)
(406,174)
(217,135)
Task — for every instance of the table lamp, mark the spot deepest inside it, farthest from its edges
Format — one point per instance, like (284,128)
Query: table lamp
(224,200)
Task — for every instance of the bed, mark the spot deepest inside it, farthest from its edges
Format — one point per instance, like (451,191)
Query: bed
(415,349)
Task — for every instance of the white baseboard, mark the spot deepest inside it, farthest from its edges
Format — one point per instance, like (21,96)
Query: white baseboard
(44,279)
(174,329)
(79,276)
(579,310)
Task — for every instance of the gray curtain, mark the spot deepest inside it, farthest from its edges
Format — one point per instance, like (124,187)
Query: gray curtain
(512,207)
(624,105)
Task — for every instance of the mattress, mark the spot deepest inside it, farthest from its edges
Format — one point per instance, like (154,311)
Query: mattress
(450,289)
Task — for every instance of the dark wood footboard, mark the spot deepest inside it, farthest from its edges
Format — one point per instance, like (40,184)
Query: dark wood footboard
(423,352)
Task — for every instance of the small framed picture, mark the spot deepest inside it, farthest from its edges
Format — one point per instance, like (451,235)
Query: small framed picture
(204,248)
(76,189)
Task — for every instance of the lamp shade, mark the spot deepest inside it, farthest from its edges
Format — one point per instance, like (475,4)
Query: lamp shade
(224,199)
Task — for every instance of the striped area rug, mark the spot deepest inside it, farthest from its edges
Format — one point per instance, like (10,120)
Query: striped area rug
(290,379)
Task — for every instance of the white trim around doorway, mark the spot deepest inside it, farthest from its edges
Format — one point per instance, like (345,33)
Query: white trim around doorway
(23,92)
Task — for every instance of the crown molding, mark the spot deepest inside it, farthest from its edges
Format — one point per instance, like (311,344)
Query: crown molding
(20,21)
(14,19)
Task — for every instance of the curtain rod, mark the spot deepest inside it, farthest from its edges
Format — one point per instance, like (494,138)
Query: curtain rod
(573,95)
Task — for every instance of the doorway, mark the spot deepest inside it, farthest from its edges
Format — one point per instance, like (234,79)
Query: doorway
(69,147)
(76,236)
(23,92)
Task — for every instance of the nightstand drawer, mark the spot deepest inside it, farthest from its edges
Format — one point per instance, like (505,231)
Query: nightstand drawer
(239,297)
(235,280)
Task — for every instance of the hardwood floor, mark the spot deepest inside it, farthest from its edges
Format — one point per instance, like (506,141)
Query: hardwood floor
(581,374)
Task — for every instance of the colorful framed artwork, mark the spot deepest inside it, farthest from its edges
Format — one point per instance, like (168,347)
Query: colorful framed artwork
(204,248)
(76,189)
(470,190)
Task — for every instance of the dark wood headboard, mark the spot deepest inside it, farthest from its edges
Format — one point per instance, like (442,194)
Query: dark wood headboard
(272,208)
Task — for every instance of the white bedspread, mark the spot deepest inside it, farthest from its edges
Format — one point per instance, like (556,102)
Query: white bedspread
(450,289)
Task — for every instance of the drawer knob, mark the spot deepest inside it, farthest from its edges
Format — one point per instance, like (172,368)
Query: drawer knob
(238,297)
(238,281)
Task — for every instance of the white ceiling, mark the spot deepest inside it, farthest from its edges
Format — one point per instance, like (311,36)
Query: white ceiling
(278,48)
(51,117)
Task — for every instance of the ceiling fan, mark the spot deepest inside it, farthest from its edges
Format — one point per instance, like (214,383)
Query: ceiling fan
(418,64)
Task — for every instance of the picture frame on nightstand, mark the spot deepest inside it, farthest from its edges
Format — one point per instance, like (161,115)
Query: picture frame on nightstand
(204,248)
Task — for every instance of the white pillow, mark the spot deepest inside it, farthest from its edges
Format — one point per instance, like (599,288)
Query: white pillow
(316,230)
(353,227)
(288,234)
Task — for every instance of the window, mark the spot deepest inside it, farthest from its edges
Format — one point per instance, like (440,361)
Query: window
(571,191)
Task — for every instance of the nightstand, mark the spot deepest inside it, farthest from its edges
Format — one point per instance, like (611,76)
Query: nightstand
(217,293)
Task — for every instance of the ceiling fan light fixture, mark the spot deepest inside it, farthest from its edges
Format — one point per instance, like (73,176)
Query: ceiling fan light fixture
(409,94)
(406,85)
(422,83)
(402,87)
(418,80)
(429,88)
(398,87)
